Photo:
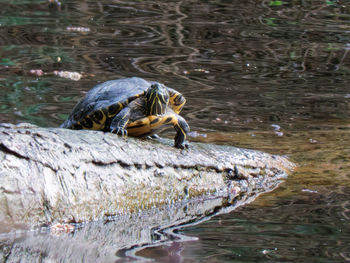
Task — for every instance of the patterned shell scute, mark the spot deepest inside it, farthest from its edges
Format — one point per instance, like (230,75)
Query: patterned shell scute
(106,94)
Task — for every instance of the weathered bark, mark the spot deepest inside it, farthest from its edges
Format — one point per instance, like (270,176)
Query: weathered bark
(59,175)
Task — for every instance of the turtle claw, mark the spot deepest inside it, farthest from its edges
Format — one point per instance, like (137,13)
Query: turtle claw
(120,131)
(182,146)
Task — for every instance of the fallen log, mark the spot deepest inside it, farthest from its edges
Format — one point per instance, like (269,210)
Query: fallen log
(50,175)
(141,189)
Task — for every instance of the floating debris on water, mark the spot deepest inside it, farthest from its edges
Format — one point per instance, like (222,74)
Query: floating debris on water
(78,28)
(68,75)
(277,130)
(186,72)
(276,127)
(309,191)
(201,70)
(37,72)
(195,134)
(63,74)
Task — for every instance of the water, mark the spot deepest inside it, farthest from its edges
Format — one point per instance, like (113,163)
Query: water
(268,75)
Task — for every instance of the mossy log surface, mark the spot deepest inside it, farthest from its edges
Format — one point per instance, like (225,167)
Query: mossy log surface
(50,175)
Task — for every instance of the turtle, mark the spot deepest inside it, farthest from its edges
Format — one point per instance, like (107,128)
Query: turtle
(131,106)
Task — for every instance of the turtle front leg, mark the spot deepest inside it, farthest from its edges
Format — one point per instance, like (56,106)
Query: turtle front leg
(149,125)
(182,128)
(120,121)
(180,125)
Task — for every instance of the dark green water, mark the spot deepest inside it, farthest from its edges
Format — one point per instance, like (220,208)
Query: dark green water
(268,75)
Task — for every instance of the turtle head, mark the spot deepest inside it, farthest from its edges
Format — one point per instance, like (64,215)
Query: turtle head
(157,99)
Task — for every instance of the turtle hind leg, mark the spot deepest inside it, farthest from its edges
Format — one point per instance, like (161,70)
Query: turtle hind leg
(120,121)
(66,124)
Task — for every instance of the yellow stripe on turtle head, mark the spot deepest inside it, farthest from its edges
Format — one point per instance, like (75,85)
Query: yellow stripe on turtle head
(157,99)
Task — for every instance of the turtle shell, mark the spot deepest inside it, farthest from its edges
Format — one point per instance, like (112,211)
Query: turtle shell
(104,101)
